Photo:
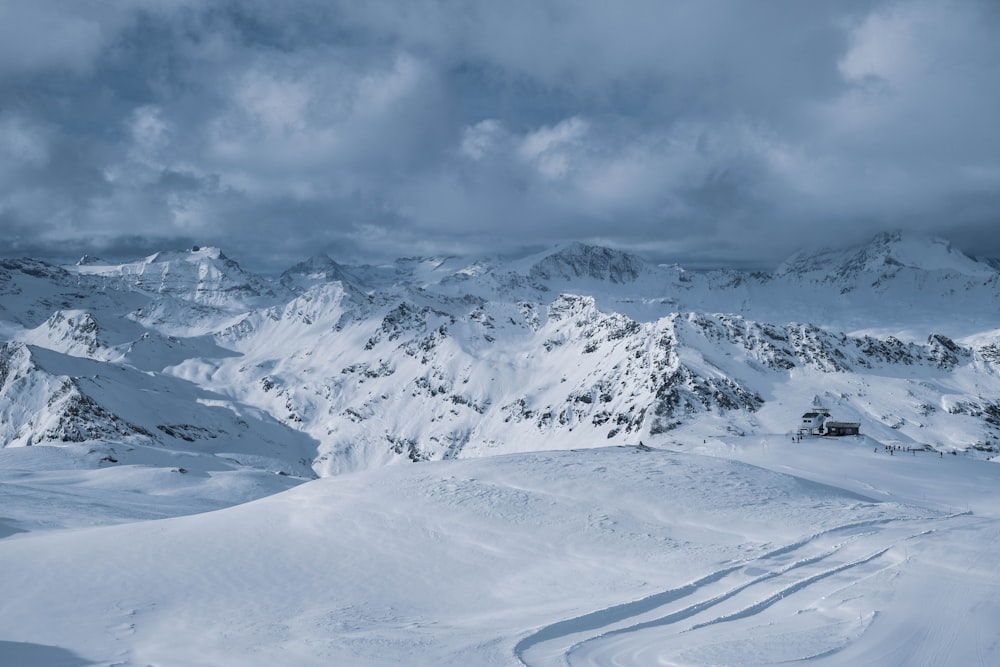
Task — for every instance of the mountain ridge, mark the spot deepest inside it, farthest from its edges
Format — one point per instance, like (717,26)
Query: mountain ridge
(433,358)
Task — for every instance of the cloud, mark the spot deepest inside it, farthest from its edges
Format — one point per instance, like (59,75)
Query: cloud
(290,122)
(37,36)
(52,36)
(712,131)
(24,143)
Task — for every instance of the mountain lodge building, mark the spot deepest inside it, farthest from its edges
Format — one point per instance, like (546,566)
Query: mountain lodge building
(815,422)
(812,422)
(842,428)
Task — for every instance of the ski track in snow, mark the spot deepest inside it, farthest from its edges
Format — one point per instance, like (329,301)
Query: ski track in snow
(785,581)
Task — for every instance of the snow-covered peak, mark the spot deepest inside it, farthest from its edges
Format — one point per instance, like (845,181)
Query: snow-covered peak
(162,261)
(915,252)
(579,260)
(201,274)
(74,332)
(317,269)
(317,265)
(885,255)
(194,255)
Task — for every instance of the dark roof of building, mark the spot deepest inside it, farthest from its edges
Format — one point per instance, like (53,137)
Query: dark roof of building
(843,425)
(810,415)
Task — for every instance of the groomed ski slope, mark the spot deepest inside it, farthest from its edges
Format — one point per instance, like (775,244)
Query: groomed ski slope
(733,551)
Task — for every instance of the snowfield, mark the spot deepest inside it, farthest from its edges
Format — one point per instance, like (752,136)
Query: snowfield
(733,552)
(571,458)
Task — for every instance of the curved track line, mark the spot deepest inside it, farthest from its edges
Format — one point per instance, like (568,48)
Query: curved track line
(604,619)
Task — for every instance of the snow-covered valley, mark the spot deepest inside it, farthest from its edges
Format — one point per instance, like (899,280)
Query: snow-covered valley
(576,457)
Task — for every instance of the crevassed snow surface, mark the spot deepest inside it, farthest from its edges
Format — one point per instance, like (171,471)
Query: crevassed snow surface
(728,551)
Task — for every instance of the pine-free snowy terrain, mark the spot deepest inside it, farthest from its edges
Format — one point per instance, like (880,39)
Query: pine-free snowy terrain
(735,553)
(575,457)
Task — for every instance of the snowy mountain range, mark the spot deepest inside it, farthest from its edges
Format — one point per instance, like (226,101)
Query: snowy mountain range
(350,367)
(203,466)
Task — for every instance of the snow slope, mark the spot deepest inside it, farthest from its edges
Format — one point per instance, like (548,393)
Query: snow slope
(620,555)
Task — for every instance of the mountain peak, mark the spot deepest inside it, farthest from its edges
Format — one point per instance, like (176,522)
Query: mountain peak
(914,251)
(317,269)
(886,254)
(201,273)
(194,254)
(579,260)
(319,263)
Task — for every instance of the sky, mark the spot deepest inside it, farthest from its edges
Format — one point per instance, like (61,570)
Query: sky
(706,132)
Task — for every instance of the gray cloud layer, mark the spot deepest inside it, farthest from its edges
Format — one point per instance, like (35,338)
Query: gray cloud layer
(699,131)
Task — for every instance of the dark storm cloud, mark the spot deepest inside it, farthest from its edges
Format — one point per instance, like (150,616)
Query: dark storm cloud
(704,131)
